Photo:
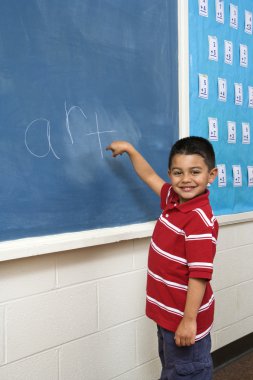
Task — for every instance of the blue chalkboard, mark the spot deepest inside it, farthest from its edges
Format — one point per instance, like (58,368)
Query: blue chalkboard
(75,75)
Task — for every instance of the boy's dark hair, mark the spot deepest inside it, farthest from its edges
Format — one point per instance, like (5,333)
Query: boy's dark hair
(194,145)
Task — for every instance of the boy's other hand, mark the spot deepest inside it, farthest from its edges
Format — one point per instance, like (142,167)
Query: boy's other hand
(119,147)
(186,333)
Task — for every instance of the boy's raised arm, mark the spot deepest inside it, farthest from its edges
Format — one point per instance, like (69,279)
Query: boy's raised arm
(140,165)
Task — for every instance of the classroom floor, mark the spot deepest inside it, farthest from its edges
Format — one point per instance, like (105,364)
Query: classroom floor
(240,369)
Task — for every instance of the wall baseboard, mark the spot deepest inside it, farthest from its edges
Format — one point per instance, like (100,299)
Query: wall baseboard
(232,351)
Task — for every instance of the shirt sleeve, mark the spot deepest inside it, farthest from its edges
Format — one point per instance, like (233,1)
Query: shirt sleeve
(200,245)
(165,194)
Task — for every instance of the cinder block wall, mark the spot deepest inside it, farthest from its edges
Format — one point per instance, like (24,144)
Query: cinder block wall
(79,315)
(233,284)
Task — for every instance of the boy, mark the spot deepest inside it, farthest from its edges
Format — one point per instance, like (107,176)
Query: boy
(179,296)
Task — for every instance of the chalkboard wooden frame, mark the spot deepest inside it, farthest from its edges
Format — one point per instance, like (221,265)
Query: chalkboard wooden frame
(21,248)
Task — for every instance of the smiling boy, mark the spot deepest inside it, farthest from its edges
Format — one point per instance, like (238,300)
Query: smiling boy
(180,264)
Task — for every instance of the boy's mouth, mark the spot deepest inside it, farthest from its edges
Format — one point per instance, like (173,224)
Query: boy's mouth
(187,188)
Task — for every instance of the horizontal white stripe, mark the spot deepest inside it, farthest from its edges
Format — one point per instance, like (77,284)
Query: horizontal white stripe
(207,305)
(204,333)
(201,237)
(176,311)
(164,307)
(168,255)
(171,226)
(200,265)
(170,284)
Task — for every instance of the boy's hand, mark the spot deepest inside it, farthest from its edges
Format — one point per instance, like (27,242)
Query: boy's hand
(119,147)
(140,165)
(186,333)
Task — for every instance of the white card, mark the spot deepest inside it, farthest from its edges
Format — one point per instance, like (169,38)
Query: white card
(250,92)
(228,48)
(231,132)
(220,11)
(203,8)
(243,55)
(213,129)
(222,176)
(250,175)
(245,133)
(248,22)
(213,48)
(237,175)
(203,86)
(222,89)
(238,94)
(233,16)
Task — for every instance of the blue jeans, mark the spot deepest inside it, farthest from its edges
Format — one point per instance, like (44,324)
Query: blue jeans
(184,363)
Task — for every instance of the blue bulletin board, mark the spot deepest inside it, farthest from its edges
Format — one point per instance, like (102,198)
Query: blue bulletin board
(221,95)
(74,76)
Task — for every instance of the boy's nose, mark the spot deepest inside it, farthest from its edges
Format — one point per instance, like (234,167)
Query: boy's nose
(186,178)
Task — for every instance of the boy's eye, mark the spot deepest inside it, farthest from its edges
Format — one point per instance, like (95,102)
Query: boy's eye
(177,172)
(196,172)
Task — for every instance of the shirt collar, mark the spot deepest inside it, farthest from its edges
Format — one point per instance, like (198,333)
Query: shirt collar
(190,205)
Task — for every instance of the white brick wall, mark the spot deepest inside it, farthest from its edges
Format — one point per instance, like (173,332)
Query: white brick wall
(79,314)
(101,356)
(21,278)
(121,298)
(233,284)
(50,319)
(37,367)
(2,336)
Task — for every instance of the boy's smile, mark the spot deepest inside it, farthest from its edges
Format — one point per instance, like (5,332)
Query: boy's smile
(189,175)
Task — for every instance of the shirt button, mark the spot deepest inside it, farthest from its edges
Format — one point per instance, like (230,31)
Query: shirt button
(167,215)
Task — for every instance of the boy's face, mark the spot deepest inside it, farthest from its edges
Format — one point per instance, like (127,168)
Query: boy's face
(189,175)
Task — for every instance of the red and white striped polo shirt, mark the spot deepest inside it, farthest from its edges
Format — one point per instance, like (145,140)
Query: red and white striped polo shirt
(183,246)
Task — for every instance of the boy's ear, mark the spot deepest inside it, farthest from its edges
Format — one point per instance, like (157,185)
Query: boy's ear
(212,175)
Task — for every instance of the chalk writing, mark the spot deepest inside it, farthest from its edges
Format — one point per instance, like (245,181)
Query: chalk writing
(48,128)
(98,133)
(67,118)
(46,122)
